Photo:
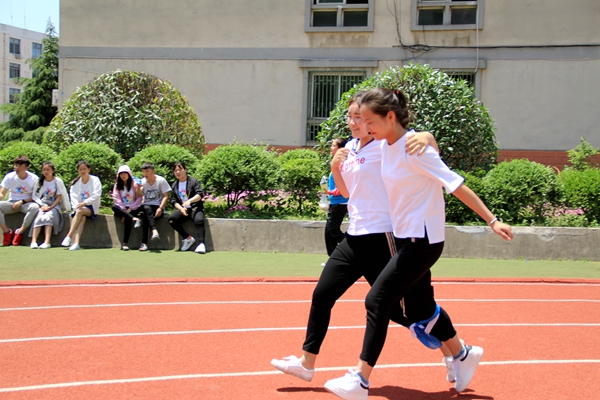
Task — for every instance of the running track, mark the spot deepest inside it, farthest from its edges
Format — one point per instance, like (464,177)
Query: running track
(211,340)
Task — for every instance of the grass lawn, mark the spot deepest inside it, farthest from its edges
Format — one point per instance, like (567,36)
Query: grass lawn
(24,264)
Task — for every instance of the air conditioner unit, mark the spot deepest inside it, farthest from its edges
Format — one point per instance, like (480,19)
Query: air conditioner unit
(18,56)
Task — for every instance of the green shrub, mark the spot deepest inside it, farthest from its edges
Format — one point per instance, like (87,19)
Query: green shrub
(512,186)
(128,111)
(37,154)
(104,163)
(301,178)
(163,156)
(580,155)
(298,154)
(456,211)
(582,190)
(461,125)
(239,171)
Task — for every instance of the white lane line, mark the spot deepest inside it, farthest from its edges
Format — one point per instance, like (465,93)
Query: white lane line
(246,330)
(312,282)
(263,373)
(244,302)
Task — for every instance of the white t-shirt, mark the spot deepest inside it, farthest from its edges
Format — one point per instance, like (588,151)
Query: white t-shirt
(153,194)
(48,190)
(368,206)
(19,189)
(414,189)
(86,190)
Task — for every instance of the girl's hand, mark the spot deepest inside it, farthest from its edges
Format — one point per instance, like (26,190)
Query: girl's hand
(45,208)
(339,157)
(502,229)
(81,205)
(418,142)
(186,204)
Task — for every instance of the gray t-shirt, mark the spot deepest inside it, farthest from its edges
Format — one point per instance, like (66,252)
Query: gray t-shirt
(153,194)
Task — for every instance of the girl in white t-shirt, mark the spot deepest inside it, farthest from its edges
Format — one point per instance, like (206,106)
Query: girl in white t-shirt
(85,192)
(413,186)
(368,245)
(51,195)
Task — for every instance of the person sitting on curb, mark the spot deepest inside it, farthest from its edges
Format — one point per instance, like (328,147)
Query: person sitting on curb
(19,183)
(85,194)
(51,195)
(186,197)
(126,202)
(155,190)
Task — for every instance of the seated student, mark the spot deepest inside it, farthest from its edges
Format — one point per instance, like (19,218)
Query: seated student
(186,197)
(126,202)
(86,191)
(51,195)
(19,183)
(155,190)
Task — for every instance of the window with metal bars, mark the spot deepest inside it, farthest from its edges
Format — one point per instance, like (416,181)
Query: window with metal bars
(36,50)
(324,91)
(469,77)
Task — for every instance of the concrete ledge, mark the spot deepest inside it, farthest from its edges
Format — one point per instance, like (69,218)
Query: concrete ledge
(307,237)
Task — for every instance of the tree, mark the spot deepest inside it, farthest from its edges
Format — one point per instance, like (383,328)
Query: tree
(128,111)
(461,125)
(34,108)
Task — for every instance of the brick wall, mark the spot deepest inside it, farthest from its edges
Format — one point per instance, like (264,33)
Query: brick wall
(556,159)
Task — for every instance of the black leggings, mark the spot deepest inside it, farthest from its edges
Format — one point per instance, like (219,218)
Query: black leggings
(407,276)
(128,219)
(353,258)
(333,233)
(176,218)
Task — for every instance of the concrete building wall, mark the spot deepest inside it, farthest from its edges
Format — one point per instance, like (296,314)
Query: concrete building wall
(243,65)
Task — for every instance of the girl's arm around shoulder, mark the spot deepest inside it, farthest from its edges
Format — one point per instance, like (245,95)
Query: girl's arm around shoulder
(336,162)
(418,142)
(471,200)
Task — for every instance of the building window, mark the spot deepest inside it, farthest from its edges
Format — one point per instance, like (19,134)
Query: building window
(15,46)
(12,95)
(325,88)
(447,14)
(36,50)
(339,15)
(14,71)
(469,77)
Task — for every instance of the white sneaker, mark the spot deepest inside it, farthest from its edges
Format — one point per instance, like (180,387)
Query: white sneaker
(465,367)
(66,242)
(201,249)
(293,366)
(74,247)
(187,243)
(45,246)
(348,387)
(449,368)
(33,245)
(137,223)
(323,265)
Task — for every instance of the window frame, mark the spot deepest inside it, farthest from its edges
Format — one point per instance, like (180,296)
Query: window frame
(41,48)
(14,46)
(341,6)
(12,92)
(447,5)
(310,68)
(12,67)
(462,66)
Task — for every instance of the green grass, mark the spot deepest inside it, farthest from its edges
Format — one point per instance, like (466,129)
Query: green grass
(24,264)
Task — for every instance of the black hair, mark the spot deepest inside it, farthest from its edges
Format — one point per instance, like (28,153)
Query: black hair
(22,160)
(80,163)
(121,185)
(41,180)
(381,101)
(147,165)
